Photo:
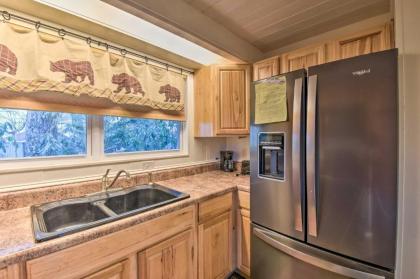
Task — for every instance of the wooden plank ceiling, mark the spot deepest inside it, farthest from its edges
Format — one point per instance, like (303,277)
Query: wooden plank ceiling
(271,24)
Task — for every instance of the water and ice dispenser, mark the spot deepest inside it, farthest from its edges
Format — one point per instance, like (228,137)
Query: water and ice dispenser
(271,155)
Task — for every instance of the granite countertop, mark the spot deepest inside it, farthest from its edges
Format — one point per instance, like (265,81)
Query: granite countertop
(17,241)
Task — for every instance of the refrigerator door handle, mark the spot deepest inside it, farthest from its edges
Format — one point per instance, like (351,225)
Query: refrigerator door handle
(310,156)
(296,154)
(312,260)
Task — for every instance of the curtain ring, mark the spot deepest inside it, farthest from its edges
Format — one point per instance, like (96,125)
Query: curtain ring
(123,51)
(61,33)
(146,59)
(37,25)
(6,15)
(89,41)
(167,67)
(106,46)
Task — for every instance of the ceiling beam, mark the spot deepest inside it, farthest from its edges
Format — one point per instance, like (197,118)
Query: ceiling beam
(182,19)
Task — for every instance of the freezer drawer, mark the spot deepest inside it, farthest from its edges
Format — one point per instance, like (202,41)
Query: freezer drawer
(277,256)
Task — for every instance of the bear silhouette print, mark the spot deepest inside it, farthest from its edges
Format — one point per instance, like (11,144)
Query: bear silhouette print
(8,60)
(172,94)
(73,70)
(128,82)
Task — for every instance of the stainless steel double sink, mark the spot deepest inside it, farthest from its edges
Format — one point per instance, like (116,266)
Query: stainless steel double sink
(55,219)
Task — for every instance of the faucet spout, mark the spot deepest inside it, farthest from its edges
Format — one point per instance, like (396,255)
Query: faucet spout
(106,186)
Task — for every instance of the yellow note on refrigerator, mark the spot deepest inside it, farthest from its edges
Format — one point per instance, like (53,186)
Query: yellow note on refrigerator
(271,101)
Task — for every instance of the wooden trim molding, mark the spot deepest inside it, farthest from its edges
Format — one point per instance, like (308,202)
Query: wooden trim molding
(10,100)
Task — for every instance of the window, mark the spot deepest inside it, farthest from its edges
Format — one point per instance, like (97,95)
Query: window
(26,134)
(122,134)
(41,134)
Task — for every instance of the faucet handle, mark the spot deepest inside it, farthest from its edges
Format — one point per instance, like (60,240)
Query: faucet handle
(107,172)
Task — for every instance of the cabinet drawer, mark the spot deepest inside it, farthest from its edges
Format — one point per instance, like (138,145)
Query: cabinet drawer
(244,200)
(214,207)
(115,271)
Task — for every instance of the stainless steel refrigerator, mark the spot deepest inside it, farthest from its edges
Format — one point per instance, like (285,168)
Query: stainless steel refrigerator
(324,182)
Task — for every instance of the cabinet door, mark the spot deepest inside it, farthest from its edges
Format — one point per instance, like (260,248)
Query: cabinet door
(115,271)
(373,40)
(182,258)
(266,68)
(232,99)
(14,271)
(303,58)
(215,247)
(244,241)
(171,259)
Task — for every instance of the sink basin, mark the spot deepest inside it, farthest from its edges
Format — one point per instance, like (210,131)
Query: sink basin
(71,216)
(141,198)
(55,219)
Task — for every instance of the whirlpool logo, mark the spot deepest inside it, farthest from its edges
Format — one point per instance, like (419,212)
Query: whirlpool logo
(361,72)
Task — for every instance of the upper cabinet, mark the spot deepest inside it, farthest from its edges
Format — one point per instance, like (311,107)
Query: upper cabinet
(303,58)
(368,41)
(222,100)
(376,39)
(266,68)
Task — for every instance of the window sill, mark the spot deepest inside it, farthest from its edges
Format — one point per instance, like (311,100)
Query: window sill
(68,163)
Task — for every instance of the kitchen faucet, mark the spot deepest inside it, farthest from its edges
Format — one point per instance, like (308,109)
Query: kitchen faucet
(105,185)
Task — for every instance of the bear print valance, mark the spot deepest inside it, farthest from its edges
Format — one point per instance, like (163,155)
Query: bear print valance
(45,67)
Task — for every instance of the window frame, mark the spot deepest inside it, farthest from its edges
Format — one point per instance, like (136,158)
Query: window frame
(57,157)
(95,154)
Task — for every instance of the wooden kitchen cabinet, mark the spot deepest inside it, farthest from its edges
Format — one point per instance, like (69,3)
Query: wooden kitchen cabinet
(116,271)
(373,40)
(117,255)
(244,234)
(171,259)
(215,238)
(370,40)
(266,68)
(15,271)
(303,58)
(222,100)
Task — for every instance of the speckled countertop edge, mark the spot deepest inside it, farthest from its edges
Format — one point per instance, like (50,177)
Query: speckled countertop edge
(16,239)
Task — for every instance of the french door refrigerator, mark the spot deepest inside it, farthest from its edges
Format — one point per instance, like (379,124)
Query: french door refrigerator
(324,182)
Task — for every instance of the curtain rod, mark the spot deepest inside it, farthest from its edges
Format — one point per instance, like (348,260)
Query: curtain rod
(62,32)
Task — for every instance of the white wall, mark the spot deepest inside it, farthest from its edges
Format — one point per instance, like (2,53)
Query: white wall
(239,146)
(200,150)
(407,19)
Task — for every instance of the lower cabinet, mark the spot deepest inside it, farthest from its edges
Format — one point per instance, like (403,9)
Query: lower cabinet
(243,223)
(177,245)
(116,271)
(15,271)
(244,241)
(215,241)
(170,259)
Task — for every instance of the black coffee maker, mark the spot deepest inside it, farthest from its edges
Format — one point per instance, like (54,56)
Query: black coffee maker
(226,161)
